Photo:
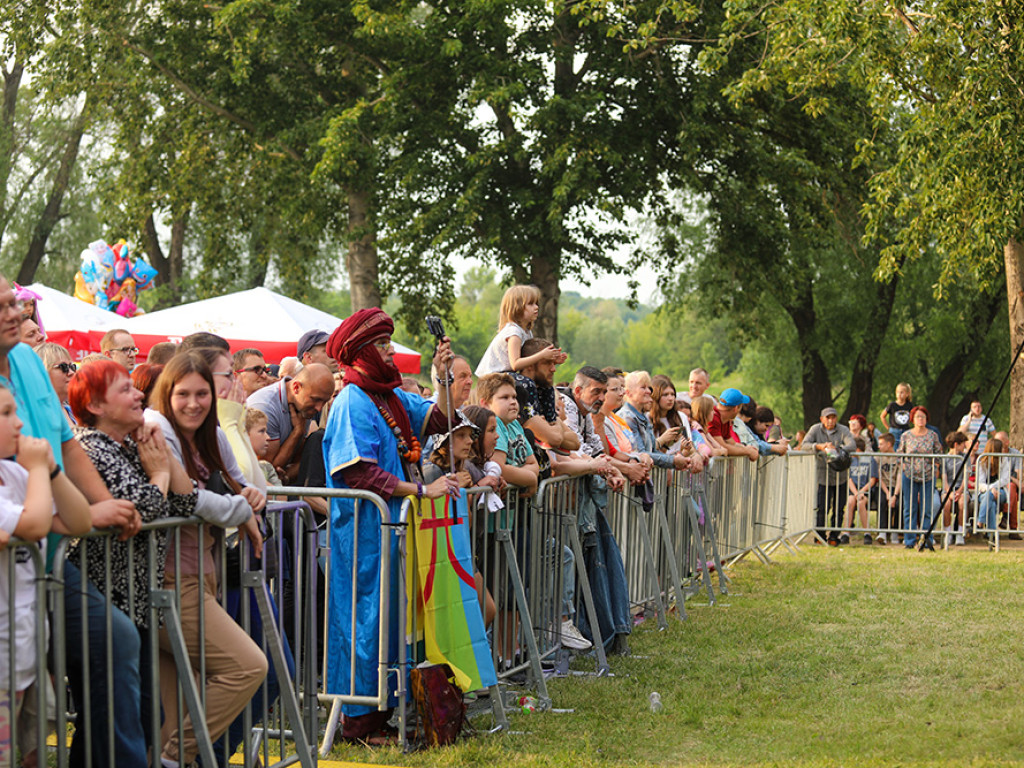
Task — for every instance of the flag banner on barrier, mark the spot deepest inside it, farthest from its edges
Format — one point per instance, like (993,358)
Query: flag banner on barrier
(446,596)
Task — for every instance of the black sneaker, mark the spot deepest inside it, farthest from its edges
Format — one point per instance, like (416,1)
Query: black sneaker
(833,542)
(844,539)
(867,539)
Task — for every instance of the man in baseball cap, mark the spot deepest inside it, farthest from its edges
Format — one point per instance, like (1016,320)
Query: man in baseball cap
(721,429)
(312,348)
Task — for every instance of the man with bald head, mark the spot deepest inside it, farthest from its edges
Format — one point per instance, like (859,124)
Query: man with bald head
(290,404)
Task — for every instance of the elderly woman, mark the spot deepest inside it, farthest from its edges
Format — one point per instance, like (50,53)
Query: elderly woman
(57,361)
(135,464)
(918,474)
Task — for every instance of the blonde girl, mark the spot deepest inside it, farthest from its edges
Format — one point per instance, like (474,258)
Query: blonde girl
(520,307)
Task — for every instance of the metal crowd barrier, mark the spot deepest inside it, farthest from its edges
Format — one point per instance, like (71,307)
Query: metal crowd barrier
(935,474)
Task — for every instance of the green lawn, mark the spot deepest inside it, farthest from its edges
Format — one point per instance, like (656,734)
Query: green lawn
(850,656)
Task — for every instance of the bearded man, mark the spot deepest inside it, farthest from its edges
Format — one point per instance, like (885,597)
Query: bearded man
(372,442)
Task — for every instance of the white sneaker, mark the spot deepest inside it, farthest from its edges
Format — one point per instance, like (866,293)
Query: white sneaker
(571,637)
(959,540)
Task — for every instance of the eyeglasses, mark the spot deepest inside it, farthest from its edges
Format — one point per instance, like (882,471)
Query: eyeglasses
(15,305)
(228,374)
(127,350)
(384,345)
(66,368)
(259,370)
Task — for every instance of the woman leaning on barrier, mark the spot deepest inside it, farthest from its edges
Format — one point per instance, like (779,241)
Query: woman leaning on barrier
(235,666)
(136,465)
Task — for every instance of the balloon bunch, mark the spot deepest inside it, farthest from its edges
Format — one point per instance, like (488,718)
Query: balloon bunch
(110,280)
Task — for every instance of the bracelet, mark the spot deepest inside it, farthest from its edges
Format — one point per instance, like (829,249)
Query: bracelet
(419,490)
(55,472)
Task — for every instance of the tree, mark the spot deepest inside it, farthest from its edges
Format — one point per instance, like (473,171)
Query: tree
(947,76)
(541,132)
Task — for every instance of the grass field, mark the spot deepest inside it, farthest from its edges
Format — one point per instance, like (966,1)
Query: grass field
(850,656)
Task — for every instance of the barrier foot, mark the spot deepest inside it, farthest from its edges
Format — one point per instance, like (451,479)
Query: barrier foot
(164,600)
(498,709)
(286,694)
(762,555)
(332,726)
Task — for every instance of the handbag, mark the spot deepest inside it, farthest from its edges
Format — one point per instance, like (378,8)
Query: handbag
(439,703)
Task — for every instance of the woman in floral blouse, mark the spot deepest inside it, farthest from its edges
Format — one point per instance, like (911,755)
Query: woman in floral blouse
(136,464)
(918,474)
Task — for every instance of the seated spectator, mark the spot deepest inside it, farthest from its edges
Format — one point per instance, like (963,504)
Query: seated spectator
(161,352)
(312,348)
(720,429)
(993,480)
(538,407)
(668,425)
(119,346)
(863,478)
(634,412)
(974,423)
(235,665)
(144,378)
(57,361)
(136,464)
(954,476)
(512,452)
(30,333)
(1012,494)
(251,370)
(33,491)
(291,405)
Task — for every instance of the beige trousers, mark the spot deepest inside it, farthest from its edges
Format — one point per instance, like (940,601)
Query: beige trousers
(235,668)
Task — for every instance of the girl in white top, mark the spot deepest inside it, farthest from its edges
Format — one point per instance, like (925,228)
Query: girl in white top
(32,491)
(520,307)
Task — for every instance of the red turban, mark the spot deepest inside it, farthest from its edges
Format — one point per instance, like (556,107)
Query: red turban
(364,365)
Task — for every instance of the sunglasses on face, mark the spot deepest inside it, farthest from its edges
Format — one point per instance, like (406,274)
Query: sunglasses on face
(259,370)
(66,368)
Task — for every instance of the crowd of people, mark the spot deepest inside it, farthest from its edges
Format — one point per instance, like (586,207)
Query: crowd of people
(910,473)
(110,443)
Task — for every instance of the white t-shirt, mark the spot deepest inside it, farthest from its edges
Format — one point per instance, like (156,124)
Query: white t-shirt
(12,504)
(495,359)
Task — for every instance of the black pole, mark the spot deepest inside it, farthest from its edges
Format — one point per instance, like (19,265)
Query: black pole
(923,543)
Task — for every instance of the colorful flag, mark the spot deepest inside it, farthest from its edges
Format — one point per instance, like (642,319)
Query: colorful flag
(448,608)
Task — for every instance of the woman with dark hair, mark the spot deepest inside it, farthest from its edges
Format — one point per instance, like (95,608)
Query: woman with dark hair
(918,475)
(144,378)
(183,402)
(136,464)
(668,425)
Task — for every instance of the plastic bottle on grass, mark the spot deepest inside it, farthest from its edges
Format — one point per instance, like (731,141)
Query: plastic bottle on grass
(654,699)
(527,703)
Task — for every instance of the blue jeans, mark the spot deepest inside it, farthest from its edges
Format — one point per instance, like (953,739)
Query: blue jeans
(131,701)
(988,508)
(607,584)
(917,507)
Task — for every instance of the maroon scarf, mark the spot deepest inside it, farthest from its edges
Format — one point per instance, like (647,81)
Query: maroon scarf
(350,346)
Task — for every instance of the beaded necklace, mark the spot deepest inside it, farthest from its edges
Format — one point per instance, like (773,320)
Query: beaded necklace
(411,455)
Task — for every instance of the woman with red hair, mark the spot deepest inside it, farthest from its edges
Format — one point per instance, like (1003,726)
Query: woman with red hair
(136,464)
(918,475)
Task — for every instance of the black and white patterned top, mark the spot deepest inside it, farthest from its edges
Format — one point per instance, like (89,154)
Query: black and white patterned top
(121,469)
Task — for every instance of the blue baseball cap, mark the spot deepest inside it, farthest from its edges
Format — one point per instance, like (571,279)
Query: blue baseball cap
(733,397)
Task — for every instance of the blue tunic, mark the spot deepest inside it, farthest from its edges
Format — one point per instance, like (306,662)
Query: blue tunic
(357,432)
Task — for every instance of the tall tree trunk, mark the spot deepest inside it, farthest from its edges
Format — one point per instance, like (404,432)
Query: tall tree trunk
(12,83)
(862,379)
(1013,257)
(945,413)
(169,265)
(51,213)
(544,271)
(362,263)
(816,384)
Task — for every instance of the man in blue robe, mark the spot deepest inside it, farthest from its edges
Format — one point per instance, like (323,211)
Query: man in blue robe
(372,442)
